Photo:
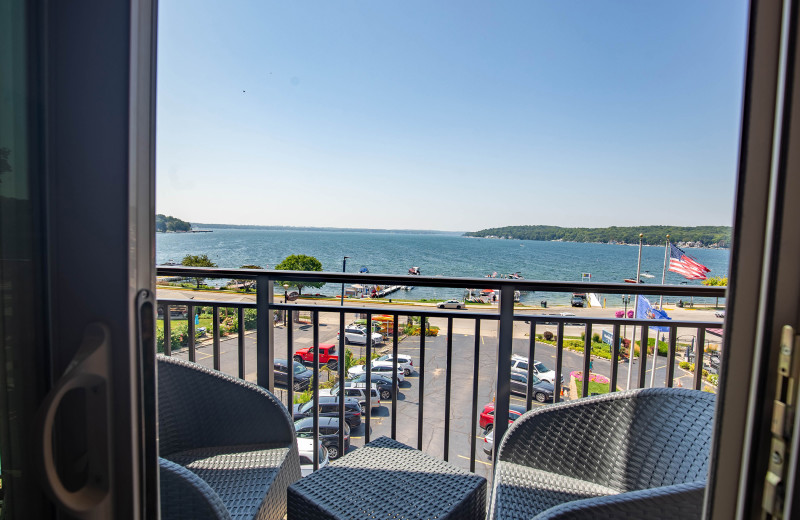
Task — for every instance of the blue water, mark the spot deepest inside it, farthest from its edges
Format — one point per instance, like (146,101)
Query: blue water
(435,254)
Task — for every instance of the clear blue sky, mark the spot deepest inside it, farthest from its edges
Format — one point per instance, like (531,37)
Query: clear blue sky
(449,115)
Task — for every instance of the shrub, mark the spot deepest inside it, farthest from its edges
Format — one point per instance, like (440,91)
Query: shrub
(713,379)
(548,335)
(596,338)
(685,365)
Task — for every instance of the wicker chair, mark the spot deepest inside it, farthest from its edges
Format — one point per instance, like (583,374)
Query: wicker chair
(227,447)
(636,454)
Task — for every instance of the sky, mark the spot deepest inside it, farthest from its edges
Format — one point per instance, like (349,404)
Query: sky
(450,115)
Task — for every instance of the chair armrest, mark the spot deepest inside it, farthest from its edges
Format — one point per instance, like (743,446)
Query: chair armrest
(630,440)
(683,501)
(184,495)
(199,408)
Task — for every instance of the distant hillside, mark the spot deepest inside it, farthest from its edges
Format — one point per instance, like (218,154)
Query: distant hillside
(166,223)
(700,236)
(308,228)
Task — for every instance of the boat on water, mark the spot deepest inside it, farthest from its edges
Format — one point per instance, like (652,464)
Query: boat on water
(363,269)
(413,270)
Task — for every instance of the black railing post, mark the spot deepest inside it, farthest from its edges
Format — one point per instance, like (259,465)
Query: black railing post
(191,331)
(216,349)
(395,386)
(240,325)
(643,356)
(615,340)
(368,368)
(167,332)
(341,365)
(699,353)
(504,350)
(289,359)
(587,359)
(475,371)
(673,339)
(531,361)
(448,378)
(265,334)
(315,420)
(559,361)
(421,389)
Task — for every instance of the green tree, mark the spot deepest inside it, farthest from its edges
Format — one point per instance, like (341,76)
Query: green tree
(716,281)
(247,284)
(301,263)
(198,261)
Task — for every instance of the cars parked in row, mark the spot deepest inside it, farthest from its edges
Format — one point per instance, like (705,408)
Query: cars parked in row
(381,382)
(305,447)
(542,391)
(487,415)
(329,407)
(358,393)
(328,433)
(302,375)
(381,368)
(327,355)
(402,361)
(357,334)
(520,364)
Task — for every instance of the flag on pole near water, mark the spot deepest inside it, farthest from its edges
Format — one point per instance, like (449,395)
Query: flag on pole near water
(645,311)
(683,264)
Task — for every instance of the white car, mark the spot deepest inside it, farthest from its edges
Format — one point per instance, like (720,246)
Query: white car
(305,446)
(720,314)
(381,368)
(520,364)
(404,362)
(452,304)
(488,442)
(360,394)
(358,335)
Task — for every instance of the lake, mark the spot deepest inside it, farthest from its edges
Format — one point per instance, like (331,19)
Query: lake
(445,254)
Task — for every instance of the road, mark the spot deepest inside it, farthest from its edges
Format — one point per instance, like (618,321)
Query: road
(461,426)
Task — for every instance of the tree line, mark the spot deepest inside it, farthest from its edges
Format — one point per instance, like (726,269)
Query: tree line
(719,236)
(166,223)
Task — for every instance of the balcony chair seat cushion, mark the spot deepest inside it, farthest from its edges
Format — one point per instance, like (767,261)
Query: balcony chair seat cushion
(522,492)
(244,477)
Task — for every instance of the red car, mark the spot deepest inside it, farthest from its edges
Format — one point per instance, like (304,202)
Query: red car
(327,355)
(487,415)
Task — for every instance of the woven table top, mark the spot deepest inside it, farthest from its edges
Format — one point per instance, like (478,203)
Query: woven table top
(387,479)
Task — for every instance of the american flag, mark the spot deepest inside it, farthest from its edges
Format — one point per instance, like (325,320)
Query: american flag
(681,263)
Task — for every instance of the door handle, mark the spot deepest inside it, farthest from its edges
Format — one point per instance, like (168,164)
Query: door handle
(87,371)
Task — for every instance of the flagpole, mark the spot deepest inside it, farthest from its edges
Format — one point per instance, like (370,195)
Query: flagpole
(661,308)
(664,275)
(635,308)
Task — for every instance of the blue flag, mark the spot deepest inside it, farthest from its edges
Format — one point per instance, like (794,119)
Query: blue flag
(645,311)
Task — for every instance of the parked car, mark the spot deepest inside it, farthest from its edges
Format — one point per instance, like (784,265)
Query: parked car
(720,314)
(520,364)
(328,433)
(302,375)
(542,390)
(578,301)
(305,447)
(382,383)
(327,355)
(487,415)
(403,361)
(451,304)
(329,407)
(358,335)
(359,394)
(381,369)
(488,442)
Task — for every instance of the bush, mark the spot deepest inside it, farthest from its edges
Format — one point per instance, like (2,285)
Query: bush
(548,335)
(596,338)
(713,379)
(686,365)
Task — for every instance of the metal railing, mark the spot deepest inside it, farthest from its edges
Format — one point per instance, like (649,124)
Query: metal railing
(505,317)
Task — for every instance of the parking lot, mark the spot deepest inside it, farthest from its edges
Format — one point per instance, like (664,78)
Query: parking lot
(461,425)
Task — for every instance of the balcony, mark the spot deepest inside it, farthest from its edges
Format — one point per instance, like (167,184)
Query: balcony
(467,365)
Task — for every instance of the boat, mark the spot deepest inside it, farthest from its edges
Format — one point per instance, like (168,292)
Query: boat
(631,280)
(363,269)
(647,274)
(413,270)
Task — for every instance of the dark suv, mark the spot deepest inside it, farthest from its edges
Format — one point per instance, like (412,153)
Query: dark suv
(329,407)
(302,375)
(328,433)
(383,383)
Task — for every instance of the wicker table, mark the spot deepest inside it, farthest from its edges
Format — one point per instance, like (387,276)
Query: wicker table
(387,479)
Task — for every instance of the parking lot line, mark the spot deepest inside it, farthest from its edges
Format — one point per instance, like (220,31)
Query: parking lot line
(476,460)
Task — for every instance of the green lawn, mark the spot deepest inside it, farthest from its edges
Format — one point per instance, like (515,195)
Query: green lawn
(594,388)
(208,323)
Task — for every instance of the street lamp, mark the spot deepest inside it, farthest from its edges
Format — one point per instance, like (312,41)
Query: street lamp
(285,300)
(344,268)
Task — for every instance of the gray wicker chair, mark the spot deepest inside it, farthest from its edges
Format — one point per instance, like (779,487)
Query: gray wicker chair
(637,454)
(227,447)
